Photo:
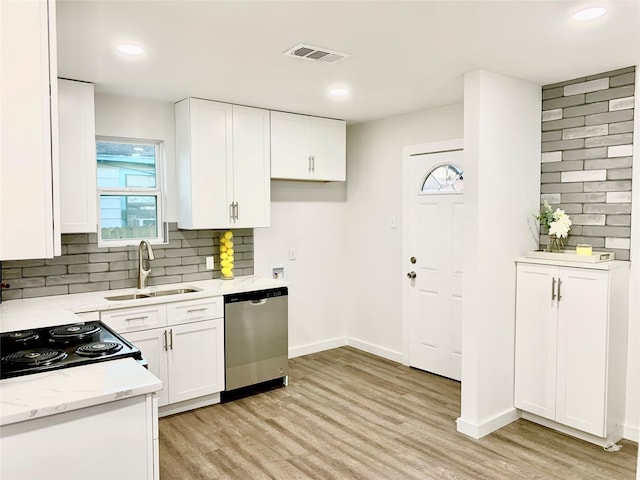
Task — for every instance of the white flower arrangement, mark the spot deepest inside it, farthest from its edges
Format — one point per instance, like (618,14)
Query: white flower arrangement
(557,222)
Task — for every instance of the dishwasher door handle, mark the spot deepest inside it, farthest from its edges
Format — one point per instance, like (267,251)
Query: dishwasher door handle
(256,303)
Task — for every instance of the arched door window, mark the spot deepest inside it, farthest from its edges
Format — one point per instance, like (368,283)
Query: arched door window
(446,178)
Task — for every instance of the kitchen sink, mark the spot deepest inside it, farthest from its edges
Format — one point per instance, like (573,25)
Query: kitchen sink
(157,293)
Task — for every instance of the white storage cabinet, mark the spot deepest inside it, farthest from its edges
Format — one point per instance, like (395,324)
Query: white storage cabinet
(307,148)
(76,114)
(571,344)
(123,432)
(28,136)
(223,157)
(183,343)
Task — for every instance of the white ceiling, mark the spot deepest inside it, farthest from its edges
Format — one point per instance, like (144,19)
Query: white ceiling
(406,55)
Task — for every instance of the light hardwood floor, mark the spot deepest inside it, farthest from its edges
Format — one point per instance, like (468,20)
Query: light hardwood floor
(347,414)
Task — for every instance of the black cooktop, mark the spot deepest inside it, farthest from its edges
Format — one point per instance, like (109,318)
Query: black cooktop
(43,349)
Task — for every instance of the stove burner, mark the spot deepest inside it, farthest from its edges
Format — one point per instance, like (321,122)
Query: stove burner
(22,336)
(35,357)
(98,349)
(73,332)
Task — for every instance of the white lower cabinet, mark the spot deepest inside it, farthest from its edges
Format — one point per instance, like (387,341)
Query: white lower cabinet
(571,343)
(184,347)
(122,432)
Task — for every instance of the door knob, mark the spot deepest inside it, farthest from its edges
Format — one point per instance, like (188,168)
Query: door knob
(411,275)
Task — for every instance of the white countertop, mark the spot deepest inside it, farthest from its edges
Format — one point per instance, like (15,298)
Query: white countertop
(37,395)
(42,394)
(60,309)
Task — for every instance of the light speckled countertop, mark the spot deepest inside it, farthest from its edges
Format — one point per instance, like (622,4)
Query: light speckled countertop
(48,393)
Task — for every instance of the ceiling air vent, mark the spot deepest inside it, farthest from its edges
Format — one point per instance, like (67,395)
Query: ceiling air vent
(309,52)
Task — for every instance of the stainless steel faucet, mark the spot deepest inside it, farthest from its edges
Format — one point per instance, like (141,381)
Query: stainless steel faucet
(144,268)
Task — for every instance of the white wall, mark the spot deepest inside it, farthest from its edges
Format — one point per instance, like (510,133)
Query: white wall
(502,188)
(374,196)
(309,218)
(132,117)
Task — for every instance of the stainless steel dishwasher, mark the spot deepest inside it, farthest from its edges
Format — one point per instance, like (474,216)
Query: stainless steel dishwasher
(256,335)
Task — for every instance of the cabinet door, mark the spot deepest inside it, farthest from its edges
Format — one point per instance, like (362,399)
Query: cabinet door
(290,150)
(153,345)
(196,359)
(582,349)
(204,161)
(327,139)
(28,135)
(77,157)
(535,349)
(251,167)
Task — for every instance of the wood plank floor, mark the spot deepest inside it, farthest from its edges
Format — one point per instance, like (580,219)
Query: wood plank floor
(350,415)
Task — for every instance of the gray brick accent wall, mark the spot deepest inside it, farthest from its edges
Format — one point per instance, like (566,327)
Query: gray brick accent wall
(587,148)
(84,267)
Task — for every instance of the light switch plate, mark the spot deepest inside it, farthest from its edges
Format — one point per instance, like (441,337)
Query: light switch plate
(210,265)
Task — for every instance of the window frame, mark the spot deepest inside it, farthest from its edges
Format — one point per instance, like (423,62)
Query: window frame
(157,192)
(441,192)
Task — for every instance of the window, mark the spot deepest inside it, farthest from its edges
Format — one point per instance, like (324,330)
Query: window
(444,179)
(130,198)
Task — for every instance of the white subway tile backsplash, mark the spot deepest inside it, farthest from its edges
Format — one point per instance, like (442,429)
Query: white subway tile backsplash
(620,151)
(618,197)
(552,115)
(583,132)
(622,243)
(552,198)
(584,176)
(621,103)
(548,157)
(585,87)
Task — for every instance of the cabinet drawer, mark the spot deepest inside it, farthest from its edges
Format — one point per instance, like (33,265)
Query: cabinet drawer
(133,319)
(195,310)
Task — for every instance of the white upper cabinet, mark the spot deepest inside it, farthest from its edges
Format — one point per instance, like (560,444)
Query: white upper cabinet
(77,157)
(307,148)
(223,165)
(28,136)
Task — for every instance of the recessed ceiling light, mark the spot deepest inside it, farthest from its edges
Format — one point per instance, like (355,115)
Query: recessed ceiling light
(339,92)
(589,14)
(130,49)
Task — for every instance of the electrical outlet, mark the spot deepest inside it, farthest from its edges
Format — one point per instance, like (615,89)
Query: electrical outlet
(210,265)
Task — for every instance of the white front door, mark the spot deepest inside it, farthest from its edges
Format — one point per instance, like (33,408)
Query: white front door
(433,229)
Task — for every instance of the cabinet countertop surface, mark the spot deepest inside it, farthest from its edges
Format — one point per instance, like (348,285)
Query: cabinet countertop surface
(48,393)
(610,265)
(61,309)
(43,394)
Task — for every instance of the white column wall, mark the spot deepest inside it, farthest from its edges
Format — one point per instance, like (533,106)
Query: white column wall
(502,188)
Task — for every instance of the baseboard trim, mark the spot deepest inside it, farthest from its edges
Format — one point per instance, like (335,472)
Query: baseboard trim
(375,350)
(480,430)
(317,347)
(632,432)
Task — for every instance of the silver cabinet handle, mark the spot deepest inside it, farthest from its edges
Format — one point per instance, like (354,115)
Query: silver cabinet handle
(559,283)
(553,288)
(130,319)
(411,275)
(313,163)
(191,310)
(165,341)
(171,338)
(309,160)
(231,212)
(236,211)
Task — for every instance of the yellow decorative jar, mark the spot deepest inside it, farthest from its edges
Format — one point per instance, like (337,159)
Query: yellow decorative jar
(226,255)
